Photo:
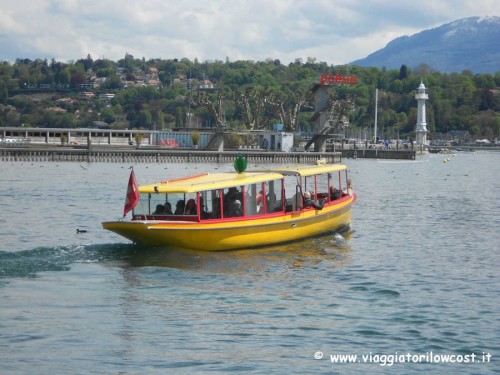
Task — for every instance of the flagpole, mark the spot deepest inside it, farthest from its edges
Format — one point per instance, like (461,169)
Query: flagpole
(376,114)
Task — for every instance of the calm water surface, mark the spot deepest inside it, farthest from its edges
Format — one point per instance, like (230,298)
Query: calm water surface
(416,275)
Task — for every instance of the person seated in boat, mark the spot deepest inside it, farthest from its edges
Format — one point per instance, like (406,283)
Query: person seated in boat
(334,193)
(231,195)
(235,208)
(160,210)
(179,207)
(271,202)
(191,207)
(310,202)
(259,201)
(231,192)
(348,190)
(168,208)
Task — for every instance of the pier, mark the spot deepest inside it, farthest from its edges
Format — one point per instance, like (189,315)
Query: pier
(162,155)
(94,155)
(374,153)
(117,146)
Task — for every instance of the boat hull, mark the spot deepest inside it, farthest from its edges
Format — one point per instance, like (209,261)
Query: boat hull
(238,233)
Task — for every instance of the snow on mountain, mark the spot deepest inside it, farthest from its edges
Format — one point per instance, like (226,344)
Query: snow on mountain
(466,44)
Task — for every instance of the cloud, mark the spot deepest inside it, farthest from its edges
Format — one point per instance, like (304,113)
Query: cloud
(335,32)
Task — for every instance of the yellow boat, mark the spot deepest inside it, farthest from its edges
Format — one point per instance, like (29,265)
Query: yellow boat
(235,210)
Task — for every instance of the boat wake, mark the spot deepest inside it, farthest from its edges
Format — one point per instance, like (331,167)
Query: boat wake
(338,240)
(28,263)
(31,263)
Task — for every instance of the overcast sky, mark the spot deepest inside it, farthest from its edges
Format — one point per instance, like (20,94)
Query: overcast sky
(333,31)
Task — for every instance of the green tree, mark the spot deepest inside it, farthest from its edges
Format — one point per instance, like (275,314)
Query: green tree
(403,72)
(77,79)
(113,82)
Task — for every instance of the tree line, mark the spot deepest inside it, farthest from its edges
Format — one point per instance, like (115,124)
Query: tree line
(246,95)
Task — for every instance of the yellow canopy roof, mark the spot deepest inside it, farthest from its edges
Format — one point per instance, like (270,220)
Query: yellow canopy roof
(307,170)
(221,180)
(209,181)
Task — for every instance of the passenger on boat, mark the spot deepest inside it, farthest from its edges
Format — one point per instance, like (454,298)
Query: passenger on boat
(309,202)
(348,190)
(168,208)
(334,193)
(271,202)
(259,200)
(231,194)
(179,207)
(160,210)
(235,209)
(191,207)
(230,197)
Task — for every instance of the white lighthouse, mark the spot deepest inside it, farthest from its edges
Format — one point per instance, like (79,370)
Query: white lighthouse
(421,129)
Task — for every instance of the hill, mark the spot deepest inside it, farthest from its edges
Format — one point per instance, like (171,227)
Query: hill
(466,44)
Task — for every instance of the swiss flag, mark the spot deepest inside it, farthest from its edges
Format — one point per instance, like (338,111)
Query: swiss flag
(132,196)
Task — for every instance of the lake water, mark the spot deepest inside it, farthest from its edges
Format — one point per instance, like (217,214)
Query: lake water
(416,279)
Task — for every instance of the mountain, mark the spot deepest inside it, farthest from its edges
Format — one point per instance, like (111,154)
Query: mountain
(466,44)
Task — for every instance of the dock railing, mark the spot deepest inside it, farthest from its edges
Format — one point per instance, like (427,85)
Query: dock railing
(145,155)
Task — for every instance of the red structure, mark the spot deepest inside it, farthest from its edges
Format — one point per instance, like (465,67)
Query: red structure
(329,79)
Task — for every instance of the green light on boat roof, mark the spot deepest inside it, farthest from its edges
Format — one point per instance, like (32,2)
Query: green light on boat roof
(240,164)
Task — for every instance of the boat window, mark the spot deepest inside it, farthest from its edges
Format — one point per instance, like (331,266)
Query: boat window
(274,199)
(334,190)
(144,204)
(296,202)
(166,204)
(183,203)
(210,204)
(318,185)
(345,184)
(254,199)
(322,184)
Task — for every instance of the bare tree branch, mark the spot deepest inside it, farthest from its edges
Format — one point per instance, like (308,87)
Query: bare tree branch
(256,109)
(289,114)
(214,106)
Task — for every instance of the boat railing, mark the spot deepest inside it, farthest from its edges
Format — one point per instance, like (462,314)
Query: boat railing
(166,217)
